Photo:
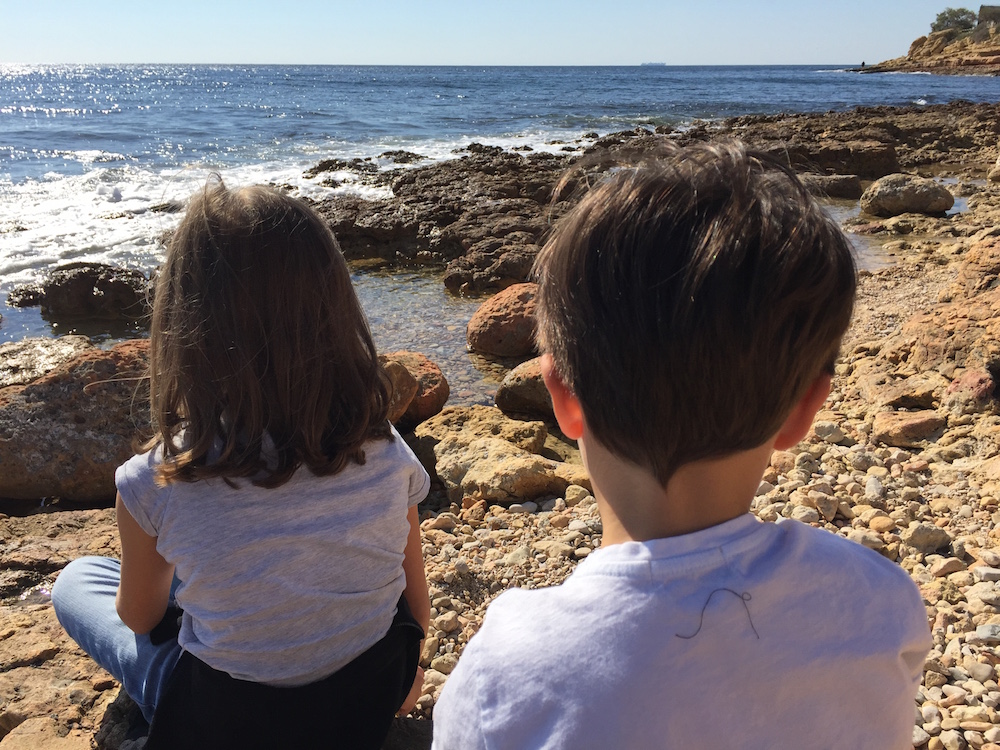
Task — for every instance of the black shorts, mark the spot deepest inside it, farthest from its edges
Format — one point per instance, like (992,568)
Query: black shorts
(202,707)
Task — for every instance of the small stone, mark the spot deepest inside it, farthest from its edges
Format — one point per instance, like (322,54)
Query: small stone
(559,520)
(946,566)
(575,493)
(551,548)
(461,567)
(983,573)
(989,634)
(990,557)
(866,538)
(448,622)
(926,537)
(919,736)
(829,432)
(952,739)
(874,488)
(435,678)
(429,650)
(805,514)
(445,663)
(882,524)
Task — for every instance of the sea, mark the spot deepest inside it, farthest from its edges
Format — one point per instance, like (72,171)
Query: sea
(87,151)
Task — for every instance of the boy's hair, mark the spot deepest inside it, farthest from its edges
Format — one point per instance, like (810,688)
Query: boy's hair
(689,302)
(257,330)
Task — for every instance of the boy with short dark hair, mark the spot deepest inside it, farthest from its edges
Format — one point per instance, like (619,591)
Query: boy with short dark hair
(690,312)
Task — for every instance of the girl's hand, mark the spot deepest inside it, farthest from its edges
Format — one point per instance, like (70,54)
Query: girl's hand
(411,697)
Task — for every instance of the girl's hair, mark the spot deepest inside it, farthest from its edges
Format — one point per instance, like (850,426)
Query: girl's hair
(257,332)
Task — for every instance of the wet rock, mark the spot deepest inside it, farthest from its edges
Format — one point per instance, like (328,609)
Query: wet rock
(28,359)
(504,325)
(65,433)
(88,290)
(432,387)
(523,391)
(901,193)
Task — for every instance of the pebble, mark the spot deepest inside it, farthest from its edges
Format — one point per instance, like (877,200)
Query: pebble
(982,573)
(575,494)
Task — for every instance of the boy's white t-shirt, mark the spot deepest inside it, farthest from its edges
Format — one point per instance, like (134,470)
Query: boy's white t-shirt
(744,635)
(283,585)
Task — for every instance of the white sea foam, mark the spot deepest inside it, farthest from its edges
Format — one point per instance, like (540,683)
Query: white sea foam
(106,213)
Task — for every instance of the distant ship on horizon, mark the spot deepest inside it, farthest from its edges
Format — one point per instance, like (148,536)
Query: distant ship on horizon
(652,63)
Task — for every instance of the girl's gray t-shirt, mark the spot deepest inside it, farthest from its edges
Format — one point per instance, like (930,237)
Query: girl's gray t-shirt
(286,585)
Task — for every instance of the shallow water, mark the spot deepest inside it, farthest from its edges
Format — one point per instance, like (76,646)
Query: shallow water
(406,310)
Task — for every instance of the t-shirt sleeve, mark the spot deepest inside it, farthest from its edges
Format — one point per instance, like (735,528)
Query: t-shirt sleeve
(420,481)
(135,481)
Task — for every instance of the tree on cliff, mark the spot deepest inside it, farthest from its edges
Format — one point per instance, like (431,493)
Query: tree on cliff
(960,19)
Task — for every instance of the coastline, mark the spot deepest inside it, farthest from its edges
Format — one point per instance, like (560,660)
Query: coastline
(923,493)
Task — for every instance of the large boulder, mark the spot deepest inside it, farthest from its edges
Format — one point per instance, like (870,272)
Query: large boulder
(504,325)
(64,434)
(472,422)
(523,391)
(496,471)
(432,387)
(87,291)
(902,193)
(25,360)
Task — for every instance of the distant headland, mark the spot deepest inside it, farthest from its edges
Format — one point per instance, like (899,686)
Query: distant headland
(969,47)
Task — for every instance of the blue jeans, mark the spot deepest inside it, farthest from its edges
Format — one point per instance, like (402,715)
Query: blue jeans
(84,600)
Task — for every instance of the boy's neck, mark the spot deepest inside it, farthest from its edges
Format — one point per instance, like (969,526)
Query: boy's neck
(635,507)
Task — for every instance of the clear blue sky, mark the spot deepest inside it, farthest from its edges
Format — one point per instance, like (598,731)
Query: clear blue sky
(454,32)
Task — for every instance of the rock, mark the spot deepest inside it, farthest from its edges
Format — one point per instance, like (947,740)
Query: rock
(989,634)
(846,186)
(926,537)
(495,470)
(25,360)
(915,392)
(946,567)
(971,392)
(900,193)
(504,325)
(404,388)
(828,431)
(467,423)
(432,387)
(523,391)
(575,494)
(43,733)
(88,290)
(64,434)
(866,538)
(906,429)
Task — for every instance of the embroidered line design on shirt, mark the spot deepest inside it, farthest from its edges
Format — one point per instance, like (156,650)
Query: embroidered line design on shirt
(744,598)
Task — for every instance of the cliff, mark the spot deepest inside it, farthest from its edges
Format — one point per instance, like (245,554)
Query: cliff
(949,52)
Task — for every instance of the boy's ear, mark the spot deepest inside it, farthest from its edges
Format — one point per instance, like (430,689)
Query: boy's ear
(800,419)
(565,405)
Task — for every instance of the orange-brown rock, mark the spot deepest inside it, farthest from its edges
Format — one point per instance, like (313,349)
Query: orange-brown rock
(64,434)
(432,387)
(504,325)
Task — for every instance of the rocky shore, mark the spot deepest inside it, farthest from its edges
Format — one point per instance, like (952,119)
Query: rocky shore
(948,52)
(904,458)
